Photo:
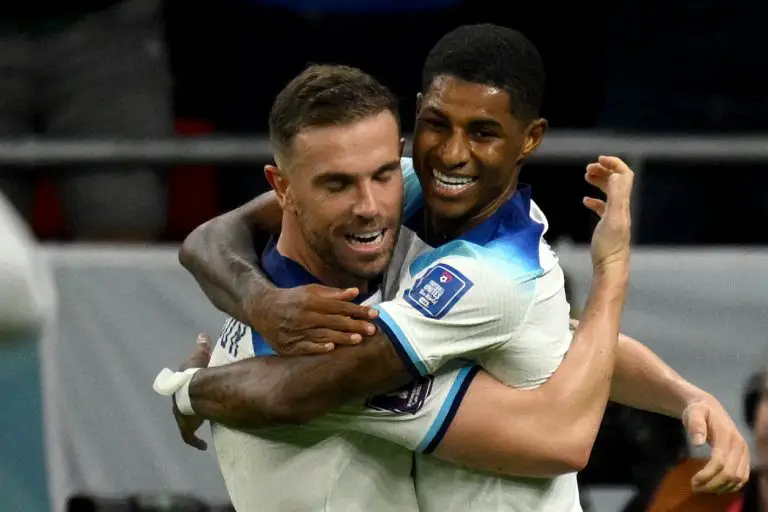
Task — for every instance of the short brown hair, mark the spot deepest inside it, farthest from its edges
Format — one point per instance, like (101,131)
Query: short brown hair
(326,95)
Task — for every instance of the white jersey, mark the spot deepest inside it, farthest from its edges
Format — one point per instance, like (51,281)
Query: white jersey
(333,463)
(495,296)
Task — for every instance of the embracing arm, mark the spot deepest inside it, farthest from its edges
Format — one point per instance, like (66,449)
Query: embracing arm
(540,432)
(643,381)
(265,391)
(221,254)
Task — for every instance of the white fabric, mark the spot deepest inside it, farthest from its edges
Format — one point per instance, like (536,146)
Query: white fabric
(333,463)
(468,301)
(176,384)
(124,312)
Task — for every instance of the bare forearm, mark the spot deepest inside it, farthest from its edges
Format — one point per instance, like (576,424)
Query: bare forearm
(643,381)
(220,256)
(549,430)
(519,439)
(580,387)
(266,391)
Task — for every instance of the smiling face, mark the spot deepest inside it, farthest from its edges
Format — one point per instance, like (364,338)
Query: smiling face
(468,148)
(344,192)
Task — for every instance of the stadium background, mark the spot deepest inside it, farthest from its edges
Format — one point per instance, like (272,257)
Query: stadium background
(672,87)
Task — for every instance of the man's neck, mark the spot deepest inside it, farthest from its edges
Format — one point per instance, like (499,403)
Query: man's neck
(292,245)
(442,230)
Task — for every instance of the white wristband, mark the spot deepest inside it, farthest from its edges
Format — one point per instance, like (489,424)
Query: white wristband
(169,383)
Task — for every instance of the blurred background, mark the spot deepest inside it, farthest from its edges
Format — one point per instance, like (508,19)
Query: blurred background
(124,124)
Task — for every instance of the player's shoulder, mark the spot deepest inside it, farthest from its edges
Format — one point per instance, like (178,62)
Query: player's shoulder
(492,262)
(466,272)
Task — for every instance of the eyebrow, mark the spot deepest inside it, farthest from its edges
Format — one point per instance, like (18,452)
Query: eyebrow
(477,122)
(335,174)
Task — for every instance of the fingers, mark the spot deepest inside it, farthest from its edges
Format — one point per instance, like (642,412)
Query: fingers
(308,348)
(195,442)
(187,426)
(726,472)
(342,324)
(342,308)
(701,480)
(201,354)
(203,342)
(336,301)
(613,163)
(695,421)
(596,205)
(335,293)
(598,173)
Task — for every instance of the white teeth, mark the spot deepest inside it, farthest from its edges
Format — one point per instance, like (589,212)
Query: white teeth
(452,182)
(366,238)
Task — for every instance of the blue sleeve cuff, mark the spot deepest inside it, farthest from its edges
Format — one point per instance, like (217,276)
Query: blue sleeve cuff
(413,363)
(448,411)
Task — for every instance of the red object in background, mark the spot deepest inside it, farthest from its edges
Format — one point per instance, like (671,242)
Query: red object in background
(192,195)
(192,190)
(48,221)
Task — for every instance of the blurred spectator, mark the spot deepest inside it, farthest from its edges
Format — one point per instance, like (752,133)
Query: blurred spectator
(690,67)
(87,68)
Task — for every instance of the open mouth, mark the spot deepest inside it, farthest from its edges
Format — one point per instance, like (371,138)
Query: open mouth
(452,183)
(367,239)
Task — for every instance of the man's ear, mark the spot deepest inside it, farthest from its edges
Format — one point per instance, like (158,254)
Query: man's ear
(280,184)
(534,134)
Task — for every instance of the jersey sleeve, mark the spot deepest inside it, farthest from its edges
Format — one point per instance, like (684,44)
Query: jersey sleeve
(415,416)
(458,306)
(413,197)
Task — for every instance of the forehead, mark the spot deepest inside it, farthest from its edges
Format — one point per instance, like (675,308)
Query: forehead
(357,147)
(460,99)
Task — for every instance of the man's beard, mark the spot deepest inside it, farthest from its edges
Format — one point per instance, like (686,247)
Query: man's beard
(322,245)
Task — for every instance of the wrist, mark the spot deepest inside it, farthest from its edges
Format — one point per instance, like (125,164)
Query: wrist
(691,397)
(615,272)
(252,294)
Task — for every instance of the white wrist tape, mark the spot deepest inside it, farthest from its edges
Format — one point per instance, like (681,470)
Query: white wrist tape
(169,383)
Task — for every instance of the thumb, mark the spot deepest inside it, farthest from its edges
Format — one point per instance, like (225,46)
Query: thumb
(695,421)
(203,341)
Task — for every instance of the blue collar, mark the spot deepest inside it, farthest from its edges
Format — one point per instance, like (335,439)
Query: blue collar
(286,273)
(512,216)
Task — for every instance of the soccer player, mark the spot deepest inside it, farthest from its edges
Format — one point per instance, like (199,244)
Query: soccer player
(336,128)
(478,121)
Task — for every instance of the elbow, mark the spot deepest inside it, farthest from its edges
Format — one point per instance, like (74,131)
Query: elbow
(575,458)
(567,451)
(576,449)
(188,252)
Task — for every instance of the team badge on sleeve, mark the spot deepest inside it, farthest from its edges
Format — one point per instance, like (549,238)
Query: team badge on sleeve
(438,290)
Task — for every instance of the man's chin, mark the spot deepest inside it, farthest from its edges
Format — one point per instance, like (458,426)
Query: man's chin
(369,269)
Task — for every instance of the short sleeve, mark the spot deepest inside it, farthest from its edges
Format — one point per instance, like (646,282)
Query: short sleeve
(456,307)
(415,416)
(413,196)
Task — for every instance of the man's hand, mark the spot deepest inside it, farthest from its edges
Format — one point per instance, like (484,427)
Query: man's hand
(728,468)
(188,425)
(611,238)
(310,319)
